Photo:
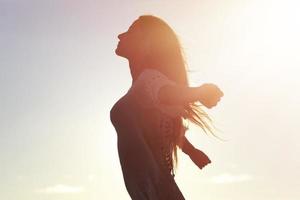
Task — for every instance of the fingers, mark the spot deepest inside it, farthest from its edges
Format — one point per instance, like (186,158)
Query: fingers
(203,160)
(217,98)
(221,93)
(212,104)
(218,93)
(213,95)
(204,164)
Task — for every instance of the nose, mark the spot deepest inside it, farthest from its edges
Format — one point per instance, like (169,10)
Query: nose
(120,36)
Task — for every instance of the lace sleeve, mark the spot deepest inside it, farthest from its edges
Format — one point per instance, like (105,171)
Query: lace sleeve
(146,89)
(154,80)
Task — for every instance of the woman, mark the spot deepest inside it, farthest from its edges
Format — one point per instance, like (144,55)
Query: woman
(149,118)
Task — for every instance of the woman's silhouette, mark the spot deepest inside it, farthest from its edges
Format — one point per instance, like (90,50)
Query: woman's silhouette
(149,118)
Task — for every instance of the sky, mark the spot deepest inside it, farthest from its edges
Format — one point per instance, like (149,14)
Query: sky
(59,78)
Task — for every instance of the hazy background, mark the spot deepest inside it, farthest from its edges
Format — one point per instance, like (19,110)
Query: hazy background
(59,78)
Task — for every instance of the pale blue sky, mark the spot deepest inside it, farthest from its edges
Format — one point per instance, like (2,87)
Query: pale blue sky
(59,78)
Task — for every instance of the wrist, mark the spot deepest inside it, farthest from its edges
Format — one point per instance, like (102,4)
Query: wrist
(188,148)
(200,93)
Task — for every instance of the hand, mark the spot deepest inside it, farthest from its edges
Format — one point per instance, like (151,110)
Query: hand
(210,95)
(200,158)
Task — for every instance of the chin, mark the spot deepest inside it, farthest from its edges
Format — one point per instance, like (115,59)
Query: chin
(116,51)
(119,53)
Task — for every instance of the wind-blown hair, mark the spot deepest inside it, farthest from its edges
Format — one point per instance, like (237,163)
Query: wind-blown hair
(164,53)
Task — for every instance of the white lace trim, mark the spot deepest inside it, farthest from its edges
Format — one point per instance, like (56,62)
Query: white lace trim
(153,80)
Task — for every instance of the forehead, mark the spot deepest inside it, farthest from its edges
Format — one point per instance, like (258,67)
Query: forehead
(134,24)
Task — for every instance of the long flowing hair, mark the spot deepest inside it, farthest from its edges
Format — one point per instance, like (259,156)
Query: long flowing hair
(165,54)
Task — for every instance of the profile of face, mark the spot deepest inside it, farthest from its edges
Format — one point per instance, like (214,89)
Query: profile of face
(130,44)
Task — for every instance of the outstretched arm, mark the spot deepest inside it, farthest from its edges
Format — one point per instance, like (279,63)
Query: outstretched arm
(177,94)
(197,156)
(207,94)
(187,147)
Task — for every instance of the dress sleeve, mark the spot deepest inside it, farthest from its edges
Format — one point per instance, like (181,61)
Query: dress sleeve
(146,89)
(153,81)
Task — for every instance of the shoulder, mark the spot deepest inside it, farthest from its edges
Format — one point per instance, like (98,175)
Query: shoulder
(149,83)
(153,75)
(150,73)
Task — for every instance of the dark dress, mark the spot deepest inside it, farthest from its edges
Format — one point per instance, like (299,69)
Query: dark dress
(143,127)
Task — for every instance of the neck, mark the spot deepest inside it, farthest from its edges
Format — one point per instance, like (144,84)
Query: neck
(135,69)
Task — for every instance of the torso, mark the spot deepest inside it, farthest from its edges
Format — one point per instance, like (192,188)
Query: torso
(132,110)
